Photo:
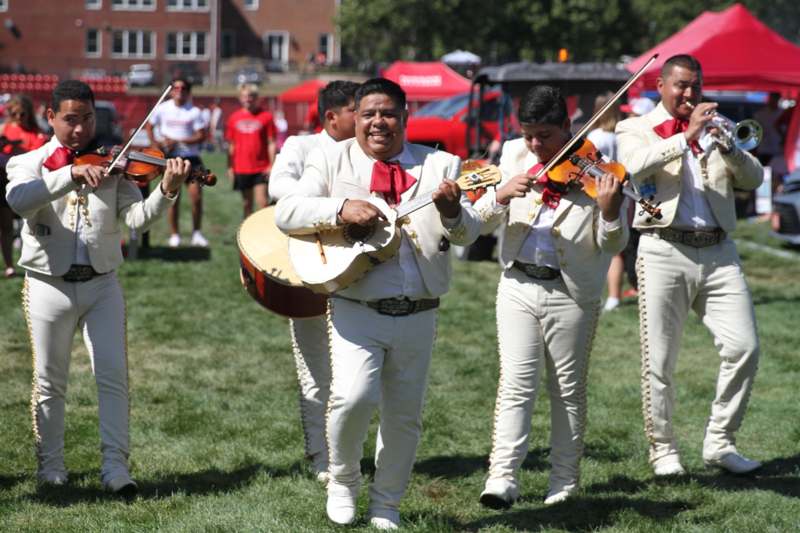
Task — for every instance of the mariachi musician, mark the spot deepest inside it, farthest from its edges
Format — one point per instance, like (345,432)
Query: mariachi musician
(70,249)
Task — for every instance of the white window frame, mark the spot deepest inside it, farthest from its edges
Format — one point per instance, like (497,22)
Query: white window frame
(253,6)
(133,5)
(3,5)
(99,52)
(330,48)
(193,7)
(94,4)
(179,45)
(284,46)
(127,54)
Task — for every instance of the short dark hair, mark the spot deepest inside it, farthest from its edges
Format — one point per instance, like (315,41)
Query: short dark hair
(543,104)
(382,86)
(681,60)
(184,81)
(71,90)
(335,95)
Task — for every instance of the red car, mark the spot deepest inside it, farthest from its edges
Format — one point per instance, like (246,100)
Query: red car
(445,122)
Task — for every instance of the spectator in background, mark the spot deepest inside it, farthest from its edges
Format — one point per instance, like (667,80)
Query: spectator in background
(603,136)
(250,133)
(183,132)
(624,264)
(281,129)
(215,126)
(774,121)
(20,134)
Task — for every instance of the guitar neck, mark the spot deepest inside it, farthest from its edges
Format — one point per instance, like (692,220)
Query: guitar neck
(414,205)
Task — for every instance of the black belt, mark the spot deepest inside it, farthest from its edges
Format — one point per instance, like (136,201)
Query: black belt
(397,306)
(537,271)
(80,273)
(695,239)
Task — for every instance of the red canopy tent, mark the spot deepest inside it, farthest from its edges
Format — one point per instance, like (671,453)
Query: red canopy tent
(298,101)
(737,52)
(428,81)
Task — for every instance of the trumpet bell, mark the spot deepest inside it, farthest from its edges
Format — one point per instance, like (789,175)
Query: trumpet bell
(747,134)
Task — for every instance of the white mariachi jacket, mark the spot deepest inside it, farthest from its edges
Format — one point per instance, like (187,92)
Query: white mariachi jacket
(49,203)
(584,243)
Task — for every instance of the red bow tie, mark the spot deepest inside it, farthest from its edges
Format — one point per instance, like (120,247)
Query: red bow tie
(551,195)
(58,159)
(391,180)
(673,126)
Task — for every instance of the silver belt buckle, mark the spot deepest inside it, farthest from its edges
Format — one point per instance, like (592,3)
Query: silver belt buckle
(701,239)
(395,306)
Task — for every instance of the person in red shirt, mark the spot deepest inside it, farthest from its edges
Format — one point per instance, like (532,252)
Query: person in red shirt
(250,133)
(19,134)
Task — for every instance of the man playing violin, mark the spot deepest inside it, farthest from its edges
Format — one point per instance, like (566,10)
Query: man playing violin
(555,251)
(687,261)
(70,250)
(382,326)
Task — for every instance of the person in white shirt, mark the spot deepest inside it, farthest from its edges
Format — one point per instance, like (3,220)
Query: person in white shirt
(556,247)
(382,326)
(686,260)
(70,250)
(310,335)
(182,131)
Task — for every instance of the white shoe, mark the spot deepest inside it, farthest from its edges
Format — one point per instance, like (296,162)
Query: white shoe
(383,523)
(52,479)
(499,493)
(558,496)
(611,304)
(122,485)
(669,465)
(319,466)
(199,240)
(341,504)
(734,462)
(174,240)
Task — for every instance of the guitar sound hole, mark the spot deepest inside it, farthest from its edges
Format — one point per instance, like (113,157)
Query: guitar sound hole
(354,233)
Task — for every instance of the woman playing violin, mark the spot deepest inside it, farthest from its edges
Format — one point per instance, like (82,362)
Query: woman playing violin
(70,250)
(558,242)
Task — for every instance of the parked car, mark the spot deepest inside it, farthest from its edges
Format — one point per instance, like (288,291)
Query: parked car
(140,74)
(189,71)
(445,123)
(108,131)
(786,211)
(248,75)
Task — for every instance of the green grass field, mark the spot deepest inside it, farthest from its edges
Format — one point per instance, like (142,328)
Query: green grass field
(217,444)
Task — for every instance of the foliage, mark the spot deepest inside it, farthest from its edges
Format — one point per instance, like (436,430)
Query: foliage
(510,30)
(217,443)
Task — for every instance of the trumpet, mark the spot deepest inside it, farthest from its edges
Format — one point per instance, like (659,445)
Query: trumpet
(744,135)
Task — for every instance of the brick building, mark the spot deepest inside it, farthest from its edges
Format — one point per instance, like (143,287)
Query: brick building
(71,38)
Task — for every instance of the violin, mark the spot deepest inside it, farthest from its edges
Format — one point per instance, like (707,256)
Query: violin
(139,166)
(585,164)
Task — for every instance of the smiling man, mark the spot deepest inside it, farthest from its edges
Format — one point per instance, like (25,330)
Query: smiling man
(687,261)
(382,326)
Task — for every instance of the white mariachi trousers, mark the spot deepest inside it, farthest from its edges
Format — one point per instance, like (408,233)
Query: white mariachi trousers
(54,309)
(674,278)
(382,362)
(312,358)
(540,326)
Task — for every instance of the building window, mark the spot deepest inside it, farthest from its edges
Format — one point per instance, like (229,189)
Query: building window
(187,5)
(133,43)
(276,47)
(3,5)
(325,52)
(94,43)
(251,4)
(186,44)
(94,4)
(143,5)
(227,43)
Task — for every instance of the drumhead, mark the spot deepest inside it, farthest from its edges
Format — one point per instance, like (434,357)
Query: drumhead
(266,247)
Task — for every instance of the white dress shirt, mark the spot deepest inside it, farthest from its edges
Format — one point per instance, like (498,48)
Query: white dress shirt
(694,211)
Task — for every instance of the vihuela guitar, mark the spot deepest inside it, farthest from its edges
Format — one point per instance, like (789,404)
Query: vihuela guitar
(330,260)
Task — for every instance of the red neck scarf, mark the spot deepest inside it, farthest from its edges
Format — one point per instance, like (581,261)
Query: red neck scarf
(58,159)
(553,191)
(391,180)
(673,126)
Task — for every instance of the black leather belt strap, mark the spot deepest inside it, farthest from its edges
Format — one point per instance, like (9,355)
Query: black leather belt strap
(695,239)
(397,306)
(80,273)
(536,271)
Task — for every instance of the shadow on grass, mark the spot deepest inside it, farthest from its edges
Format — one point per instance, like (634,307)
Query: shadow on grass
(6,482)
(211,481)
(181,254)
(456,466)
(579,514)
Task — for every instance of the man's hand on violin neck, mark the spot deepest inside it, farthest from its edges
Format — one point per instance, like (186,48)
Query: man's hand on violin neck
(609,196)
(517,187)
(90,175)
(360,212)
(446,198)
(176,170)
(699,119)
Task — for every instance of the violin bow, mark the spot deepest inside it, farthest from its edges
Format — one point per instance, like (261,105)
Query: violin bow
(146,119)
(591,122)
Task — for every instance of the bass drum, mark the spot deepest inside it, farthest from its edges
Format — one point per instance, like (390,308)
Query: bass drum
(267,273)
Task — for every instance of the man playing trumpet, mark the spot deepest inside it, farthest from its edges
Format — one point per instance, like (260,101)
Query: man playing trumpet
(687,261)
